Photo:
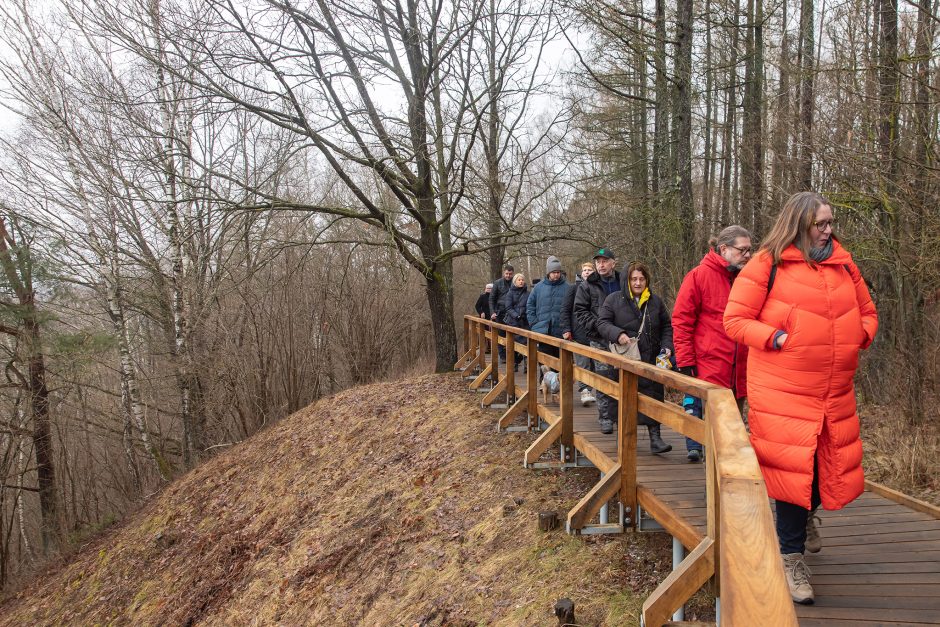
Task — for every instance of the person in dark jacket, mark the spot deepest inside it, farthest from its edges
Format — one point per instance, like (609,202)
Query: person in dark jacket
(571,330)
(483,302)
(703,349)
(590,295)
(543,308)
(500,287)
(620,318)
(514,303)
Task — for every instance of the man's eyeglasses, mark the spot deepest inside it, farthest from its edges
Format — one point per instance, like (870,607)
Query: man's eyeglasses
(743,251)
(822,225)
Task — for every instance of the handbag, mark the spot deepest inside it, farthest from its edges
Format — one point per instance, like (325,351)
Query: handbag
(630,350)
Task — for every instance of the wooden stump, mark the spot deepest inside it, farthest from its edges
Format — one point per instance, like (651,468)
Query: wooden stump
(548,521)
(564,610)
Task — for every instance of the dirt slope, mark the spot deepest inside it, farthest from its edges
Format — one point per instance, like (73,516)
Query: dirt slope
(391,504)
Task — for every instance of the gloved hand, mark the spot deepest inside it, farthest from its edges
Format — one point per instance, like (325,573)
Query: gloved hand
(689,371)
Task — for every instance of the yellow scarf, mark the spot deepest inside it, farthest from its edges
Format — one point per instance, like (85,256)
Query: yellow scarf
(645,296)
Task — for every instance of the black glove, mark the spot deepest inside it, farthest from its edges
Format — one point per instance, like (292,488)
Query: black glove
(689,371)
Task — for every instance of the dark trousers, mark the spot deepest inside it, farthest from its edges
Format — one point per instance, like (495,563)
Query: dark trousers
(549,349)
(502,349)
(791,520)
(607,407)
(586,363)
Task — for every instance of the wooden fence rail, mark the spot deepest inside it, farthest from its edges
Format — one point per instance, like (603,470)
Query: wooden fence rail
(738,553)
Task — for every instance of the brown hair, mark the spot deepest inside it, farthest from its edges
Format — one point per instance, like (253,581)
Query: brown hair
(793,225)
(728,236)
(639,266)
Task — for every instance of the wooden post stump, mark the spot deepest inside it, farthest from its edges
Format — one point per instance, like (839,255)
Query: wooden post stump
(548,521)
(564,610)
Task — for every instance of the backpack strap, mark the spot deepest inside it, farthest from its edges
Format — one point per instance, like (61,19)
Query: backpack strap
(773,276)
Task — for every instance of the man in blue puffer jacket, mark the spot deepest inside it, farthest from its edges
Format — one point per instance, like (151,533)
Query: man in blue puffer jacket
(545,302)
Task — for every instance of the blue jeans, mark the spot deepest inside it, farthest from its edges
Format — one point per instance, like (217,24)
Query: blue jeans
(692,406)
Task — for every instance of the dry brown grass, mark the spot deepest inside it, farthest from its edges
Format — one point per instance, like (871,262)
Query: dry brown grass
(389,504)
(901,455)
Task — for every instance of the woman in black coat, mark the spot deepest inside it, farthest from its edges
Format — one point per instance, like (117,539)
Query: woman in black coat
(620,318)
(514,304)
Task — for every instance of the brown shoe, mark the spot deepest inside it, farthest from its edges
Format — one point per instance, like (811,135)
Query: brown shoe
(797,573)
(813,539)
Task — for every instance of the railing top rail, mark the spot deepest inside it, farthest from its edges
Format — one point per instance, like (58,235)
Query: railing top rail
(680,382)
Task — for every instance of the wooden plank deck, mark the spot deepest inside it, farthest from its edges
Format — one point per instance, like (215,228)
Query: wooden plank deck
(880,562)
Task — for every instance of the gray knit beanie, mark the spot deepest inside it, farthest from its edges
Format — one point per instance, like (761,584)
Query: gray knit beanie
(552,265)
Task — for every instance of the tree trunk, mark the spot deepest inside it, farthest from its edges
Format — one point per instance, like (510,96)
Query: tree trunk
(31,337)
(440,296)
(807,70)
(682,130)
(660,177)
(752,146)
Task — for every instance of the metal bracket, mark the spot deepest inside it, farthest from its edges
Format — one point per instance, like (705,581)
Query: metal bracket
(647,523)
(554,465)
(593,530)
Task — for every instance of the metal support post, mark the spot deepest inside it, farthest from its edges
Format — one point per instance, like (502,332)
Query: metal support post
(678,554)
(603,513)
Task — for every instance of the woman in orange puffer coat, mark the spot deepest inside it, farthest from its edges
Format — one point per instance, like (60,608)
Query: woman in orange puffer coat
(804,331)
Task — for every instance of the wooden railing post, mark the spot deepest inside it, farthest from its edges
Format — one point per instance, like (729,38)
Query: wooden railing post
(532,381)
(481,338)
(474,337)
(566,402)
(494,353)
(466,334)
(510,368)
(626,443)
(712,494)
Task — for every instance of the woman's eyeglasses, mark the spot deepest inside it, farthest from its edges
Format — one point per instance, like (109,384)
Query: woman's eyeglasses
(822,225)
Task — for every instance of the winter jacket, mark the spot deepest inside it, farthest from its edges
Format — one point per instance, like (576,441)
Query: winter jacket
(514,307)
(500,287)
(543,308)
(698,329)
(569,323)
(587,303)
(483,305)
(802,397)
(620,313)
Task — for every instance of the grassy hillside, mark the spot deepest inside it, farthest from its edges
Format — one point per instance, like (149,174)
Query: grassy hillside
(391,504)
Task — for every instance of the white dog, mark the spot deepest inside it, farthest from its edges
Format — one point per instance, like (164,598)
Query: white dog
(551,385)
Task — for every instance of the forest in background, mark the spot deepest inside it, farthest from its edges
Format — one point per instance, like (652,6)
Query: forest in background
(214,213)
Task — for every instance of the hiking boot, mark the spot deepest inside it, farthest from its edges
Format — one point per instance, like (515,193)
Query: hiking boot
(694,456)
(607,426)
(657,445)
(587,397)
(813,540)
(797,573)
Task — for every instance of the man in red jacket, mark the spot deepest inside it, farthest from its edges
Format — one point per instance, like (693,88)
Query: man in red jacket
(703,349)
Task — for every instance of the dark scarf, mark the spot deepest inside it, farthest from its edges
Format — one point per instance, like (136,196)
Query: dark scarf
(821,254)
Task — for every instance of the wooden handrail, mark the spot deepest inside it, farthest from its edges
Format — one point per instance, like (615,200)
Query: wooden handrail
(739,551)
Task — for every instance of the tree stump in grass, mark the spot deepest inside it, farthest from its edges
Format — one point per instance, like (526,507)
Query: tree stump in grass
(564,610)
(548,521)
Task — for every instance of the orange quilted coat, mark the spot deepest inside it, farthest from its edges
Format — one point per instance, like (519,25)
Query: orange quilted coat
(802,397)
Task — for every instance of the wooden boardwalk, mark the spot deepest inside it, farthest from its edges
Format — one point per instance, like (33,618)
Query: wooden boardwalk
(880,562)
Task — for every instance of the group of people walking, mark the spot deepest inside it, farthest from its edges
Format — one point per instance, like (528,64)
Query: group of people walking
(781,327)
